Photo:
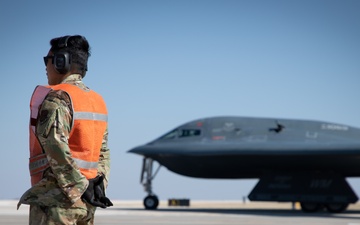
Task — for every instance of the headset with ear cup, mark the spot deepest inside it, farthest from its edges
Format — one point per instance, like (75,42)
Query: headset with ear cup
(62,59)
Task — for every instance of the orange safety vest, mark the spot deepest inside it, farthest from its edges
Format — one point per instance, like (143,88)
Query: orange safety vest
(86,136)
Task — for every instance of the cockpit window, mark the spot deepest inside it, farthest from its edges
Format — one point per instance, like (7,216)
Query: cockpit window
(170,135)
(181,133)
(189,132)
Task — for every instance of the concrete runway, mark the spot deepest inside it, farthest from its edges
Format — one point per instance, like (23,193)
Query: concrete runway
(199,213)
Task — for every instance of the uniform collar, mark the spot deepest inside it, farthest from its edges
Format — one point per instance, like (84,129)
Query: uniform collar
(73,78)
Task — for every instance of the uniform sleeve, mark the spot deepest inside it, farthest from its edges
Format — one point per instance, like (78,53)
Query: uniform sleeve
(104,160)
(53,129)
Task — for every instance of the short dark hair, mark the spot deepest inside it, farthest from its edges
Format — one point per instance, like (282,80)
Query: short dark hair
(78,48)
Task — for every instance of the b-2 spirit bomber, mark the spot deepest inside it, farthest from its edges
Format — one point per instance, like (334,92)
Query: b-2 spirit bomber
(295,160)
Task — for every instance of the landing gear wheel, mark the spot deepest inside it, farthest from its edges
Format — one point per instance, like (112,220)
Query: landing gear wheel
(336,207)
(311,207)
(151,202)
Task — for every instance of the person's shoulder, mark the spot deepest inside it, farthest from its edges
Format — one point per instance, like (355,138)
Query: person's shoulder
(58,97)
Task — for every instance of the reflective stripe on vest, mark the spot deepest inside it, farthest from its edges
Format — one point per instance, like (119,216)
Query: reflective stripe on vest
(38,164)
(85,164)
(88,126)
(90,116)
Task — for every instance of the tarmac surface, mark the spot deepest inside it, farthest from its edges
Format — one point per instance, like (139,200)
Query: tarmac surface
(200,213)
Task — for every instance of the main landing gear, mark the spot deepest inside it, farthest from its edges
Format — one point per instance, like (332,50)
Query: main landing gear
(330,207)
(315,191)
(151,201)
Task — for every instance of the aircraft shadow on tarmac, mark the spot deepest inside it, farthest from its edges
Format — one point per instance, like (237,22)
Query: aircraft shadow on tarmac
(353,214)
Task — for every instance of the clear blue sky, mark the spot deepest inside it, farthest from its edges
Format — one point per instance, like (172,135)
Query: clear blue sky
(159,64)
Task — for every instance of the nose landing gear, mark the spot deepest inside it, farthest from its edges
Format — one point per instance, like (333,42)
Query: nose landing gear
(151,201)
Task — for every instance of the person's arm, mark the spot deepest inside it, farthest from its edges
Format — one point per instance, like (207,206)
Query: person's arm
(104,160)
(53,129)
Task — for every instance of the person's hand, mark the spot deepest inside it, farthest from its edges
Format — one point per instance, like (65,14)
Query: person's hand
(89,194)
(99,192)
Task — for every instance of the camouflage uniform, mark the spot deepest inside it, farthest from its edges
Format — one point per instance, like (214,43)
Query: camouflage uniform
(56,199)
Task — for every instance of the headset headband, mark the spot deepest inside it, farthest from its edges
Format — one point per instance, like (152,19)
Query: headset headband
(63,42)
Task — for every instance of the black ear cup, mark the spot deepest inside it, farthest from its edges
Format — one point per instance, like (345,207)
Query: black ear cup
(62,62)
(62,58)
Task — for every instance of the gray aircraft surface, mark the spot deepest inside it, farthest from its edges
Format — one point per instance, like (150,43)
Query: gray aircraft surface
(295,160)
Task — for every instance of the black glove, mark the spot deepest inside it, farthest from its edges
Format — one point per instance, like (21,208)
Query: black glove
(99,192)
(89,195)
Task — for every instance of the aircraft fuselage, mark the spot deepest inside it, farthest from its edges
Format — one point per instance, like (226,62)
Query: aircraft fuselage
(241,147)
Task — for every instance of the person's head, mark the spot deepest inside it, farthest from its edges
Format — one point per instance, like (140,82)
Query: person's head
(67,55)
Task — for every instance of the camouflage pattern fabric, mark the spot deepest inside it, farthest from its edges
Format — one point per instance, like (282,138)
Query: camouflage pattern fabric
(79,214)
(62,184)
